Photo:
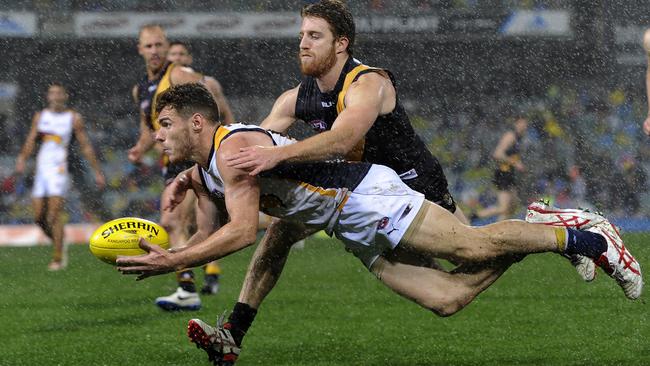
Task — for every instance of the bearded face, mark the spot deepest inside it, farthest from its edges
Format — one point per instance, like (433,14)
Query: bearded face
(315,62)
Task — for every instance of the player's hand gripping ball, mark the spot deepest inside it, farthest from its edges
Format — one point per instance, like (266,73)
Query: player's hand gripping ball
(122,237)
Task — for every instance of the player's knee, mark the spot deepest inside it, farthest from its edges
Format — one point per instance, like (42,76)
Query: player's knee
(445,306)
(477,252)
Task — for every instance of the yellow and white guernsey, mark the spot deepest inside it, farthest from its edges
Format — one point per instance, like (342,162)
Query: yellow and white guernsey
(296,192)
(366,206)
(55,131)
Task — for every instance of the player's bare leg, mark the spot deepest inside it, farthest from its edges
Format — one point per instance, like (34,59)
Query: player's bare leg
(39,210)
(437,233)
(178,222)
(269,259)
(223,342)
(54,222)
(443,293)
(441,235)
(461,216)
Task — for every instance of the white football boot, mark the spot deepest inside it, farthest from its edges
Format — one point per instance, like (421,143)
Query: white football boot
(217,341)
(618,262)
(541,212)
(180,300)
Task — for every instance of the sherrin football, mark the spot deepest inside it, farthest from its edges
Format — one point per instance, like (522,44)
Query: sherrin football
(121,237)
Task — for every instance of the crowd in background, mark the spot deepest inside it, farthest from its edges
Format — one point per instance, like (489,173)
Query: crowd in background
(584,147)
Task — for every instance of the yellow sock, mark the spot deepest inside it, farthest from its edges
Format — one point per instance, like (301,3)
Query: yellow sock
(212,269)
(560,239)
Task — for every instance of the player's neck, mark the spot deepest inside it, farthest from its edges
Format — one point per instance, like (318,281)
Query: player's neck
(206,142)
(328,80)
(57,108)
(154,73)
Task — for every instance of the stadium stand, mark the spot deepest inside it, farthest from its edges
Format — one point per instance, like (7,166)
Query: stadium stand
(460,83)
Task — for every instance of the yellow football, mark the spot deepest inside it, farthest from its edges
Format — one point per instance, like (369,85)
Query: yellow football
(122,236)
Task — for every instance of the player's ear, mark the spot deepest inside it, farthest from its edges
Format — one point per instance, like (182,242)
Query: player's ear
(198,121)
(342,44)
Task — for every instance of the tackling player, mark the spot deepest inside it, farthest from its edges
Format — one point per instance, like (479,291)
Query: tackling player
(366,205)
(54,127)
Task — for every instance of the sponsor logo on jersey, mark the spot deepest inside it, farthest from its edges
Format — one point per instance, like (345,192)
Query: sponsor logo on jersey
(318,125)
(383,223)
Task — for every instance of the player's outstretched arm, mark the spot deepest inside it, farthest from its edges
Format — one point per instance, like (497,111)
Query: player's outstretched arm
(260,158)
(87,149)
(367,98)
(241,193)
(211,212)
(28,147)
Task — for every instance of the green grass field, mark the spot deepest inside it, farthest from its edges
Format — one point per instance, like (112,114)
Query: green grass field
(327,310)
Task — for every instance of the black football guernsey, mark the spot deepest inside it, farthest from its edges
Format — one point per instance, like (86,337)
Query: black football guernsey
(391,141)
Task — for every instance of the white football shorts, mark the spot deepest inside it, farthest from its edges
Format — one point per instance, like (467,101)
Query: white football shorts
(377,214)
(51,182)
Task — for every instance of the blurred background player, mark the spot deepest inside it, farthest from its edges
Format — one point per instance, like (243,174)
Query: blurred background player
(153,46)
(179,53)
(54,127)
(507,155)
(646,46)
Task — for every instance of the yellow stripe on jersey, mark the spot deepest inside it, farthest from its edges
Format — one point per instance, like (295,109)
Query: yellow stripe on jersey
(164,84)
(53,138)
(323,192)
(221,133)
(349,78)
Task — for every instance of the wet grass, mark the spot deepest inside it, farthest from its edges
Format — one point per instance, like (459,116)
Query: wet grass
(327,310)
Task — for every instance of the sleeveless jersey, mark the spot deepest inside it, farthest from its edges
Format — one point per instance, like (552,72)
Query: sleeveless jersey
(391,141)
(55,131)
(148,91)
(312,193)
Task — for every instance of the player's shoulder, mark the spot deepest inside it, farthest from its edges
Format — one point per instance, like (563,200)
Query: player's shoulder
(180,69)
(291,95)
(373,75)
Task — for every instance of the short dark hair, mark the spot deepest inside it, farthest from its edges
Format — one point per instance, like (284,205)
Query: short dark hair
(187,99)
(56,84)
(181,43)
(337,15)
(151,27)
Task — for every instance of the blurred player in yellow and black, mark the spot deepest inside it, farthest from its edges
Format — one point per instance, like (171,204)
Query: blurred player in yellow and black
(508,158)
(179,53)
(153,46)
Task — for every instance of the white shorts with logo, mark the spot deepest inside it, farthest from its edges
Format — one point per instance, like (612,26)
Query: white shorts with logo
(50,182)
(377,214)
